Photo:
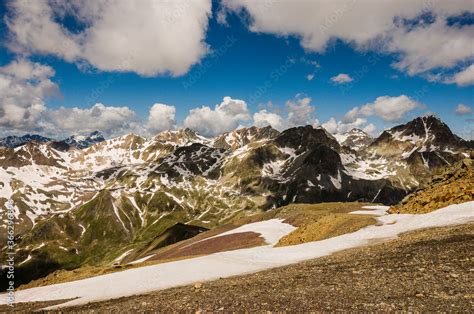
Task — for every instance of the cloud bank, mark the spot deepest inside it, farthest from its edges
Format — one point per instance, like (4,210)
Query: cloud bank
(121,36)
(417,32)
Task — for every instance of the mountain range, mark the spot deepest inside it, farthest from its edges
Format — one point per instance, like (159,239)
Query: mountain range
(77,141)
(87,201)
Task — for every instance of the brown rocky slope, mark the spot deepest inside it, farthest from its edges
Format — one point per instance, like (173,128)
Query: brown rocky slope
(453,186)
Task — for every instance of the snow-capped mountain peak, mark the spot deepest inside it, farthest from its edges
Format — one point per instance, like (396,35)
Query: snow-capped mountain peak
(356,139)
(243,136)
(13,141)
(83,141)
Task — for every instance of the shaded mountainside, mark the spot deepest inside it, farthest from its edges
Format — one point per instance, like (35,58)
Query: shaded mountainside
(453,186)
(91,206)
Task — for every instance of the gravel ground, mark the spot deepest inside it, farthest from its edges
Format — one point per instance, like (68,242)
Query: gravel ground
(429,270)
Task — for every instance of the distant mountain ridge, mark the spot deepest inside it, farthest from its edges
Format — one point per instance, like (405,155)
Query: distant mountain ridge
(13,141)
(77,141)
(355,139)
(82,142)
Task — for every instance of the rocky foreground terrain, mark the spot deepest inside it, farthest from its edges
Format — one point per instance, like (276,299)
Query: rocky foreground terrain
(454,185)
(429,271)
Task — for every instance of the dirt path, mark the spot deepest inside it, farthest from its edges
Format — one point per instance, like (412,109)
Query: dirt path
(430,270)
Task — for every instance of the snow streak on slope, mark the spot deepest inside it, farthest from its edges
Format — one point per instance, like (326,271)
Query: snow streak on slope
(271,230)
(238,262)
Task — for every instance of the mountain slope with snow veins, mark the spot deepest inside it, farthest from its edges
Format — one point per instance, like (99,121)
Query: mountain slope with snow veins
(89,206)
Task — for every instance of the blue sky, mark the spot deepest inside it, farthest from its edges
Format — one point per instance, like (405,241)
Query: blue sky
(257,67)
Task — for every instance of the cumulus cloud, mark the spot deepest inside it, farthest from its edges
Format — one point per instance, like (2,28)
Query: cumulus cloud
(341,78)
(393,27)
(390,109)
(111,120)
(341,127)
(310,76)
(23,87)
(118,35)
(386,107)
(300,111)
(369,129)
(462,109)
(23,69)
(264,118)
(161,117)
(464,77)
(432,46)
(33,30)
(226,116)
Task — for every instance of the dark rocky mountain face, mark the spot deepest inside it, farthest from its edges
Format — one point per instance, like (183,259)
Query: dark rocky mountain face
(303,138)
(424,133)
(119,194)
(82,142)
(422,145)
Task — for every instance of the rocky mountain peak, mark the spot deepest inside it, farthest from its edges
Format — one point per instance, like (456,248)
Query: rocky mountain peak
(13,141)
(422,134)
(85,141)
(304,137)
(31,153)
(180,137)
(355,139)
(243,136)
(357,131)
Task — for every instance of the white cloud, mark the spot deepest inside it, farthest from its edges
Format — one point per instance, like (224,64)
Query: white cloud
(23,88)
(23,69)
(226,116)
(420,46)
(386,107)
(111,120)
(432,46)
(341,78)
(264,118)
(161,117)
(33,29)
(300,111)
(331,125)
(310,76)
(462,109)
(464,77)
(341,127)
(119,35)
(370,128)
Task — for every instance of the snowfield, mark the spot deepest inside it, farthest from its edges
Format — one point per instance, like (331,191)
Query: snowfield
(238,262)
(374,210)
(270,230)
